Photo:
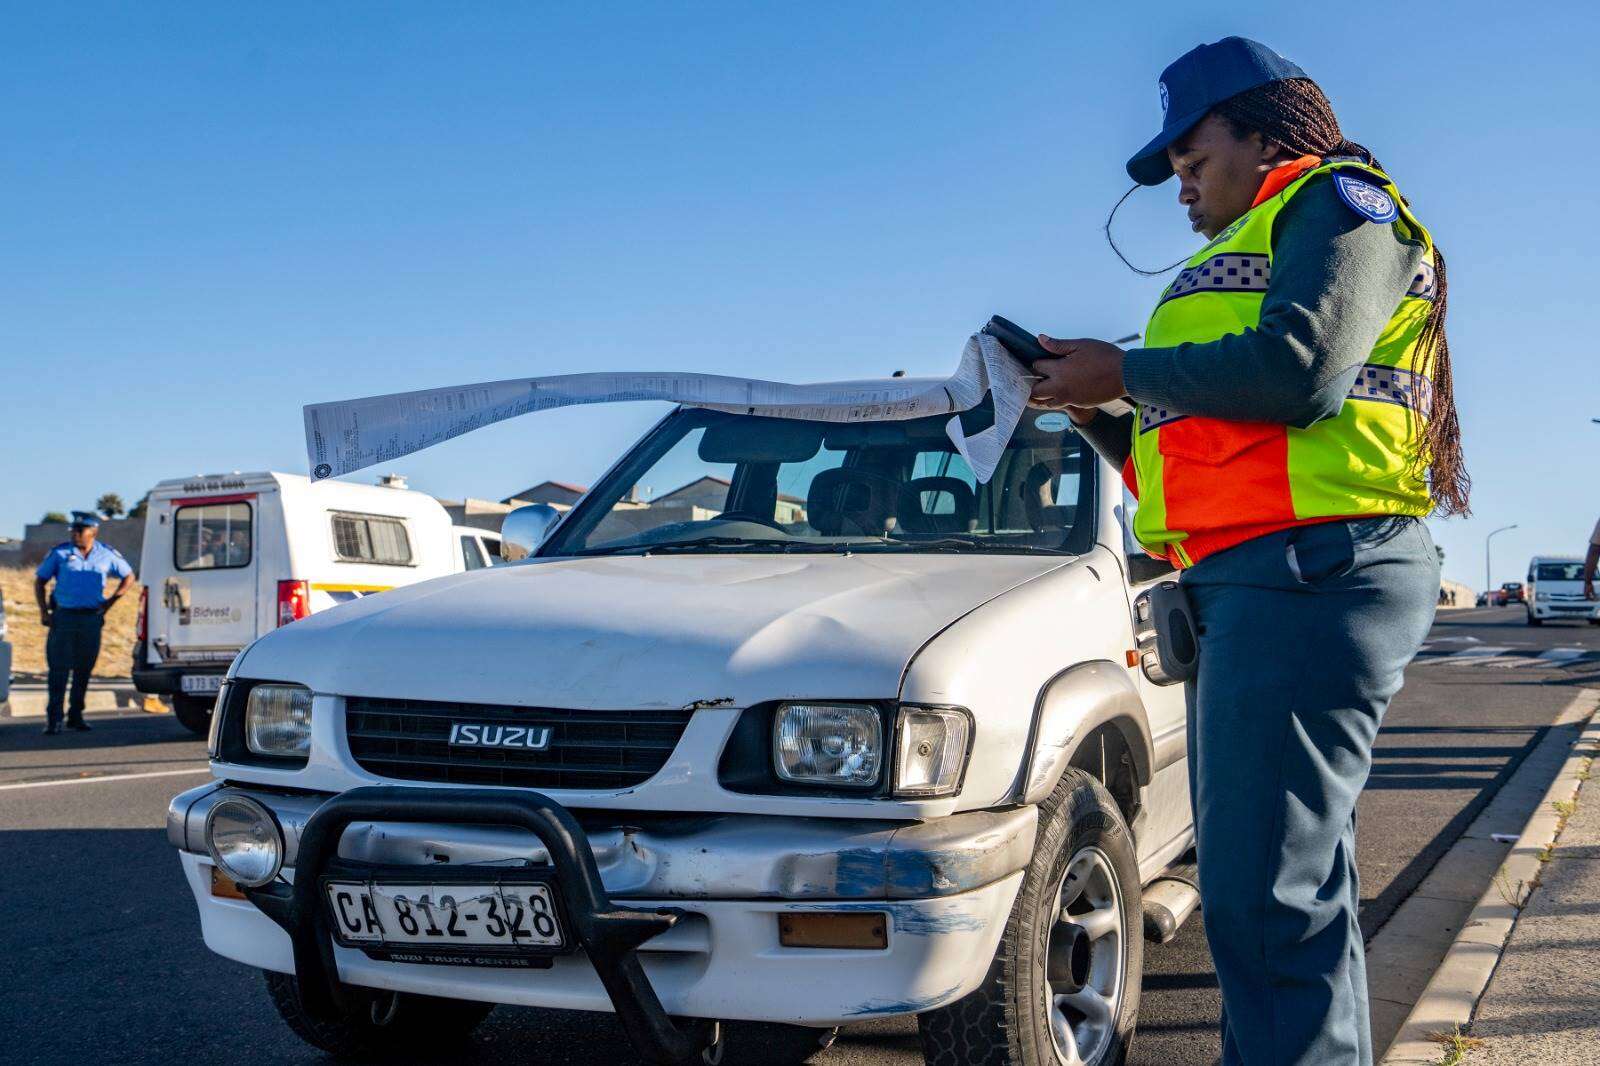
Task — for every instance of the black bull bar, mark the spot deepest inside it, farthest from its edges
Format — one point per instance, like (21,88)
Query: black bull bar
(609,935)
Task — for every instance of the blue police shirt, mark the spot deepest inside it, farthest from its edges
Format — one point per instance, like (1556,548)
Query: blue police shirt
(80,581)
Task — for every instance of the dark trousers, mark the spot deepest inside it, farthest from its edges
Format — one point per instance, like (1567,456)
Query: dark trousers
(1303,638)
(72,648)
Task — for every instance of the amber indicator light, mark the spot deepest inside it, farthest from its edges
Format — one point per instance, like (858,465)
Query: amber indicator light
(222,886)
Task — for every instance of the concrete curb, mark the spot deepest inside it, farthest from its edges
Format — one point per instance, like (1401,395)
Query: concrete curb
(1452,995)
(28,700)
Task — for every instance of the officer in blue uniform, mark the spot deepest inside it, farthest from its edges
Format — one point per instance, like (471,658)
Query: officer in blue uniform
(75,612)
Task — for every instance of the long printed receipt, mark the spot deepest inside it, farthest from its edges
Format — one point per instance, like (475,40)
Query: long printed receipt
(350,435)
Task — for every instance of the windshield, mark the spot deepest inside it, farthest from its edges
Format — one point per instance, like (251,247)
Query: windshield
(1572,571)
(707,481)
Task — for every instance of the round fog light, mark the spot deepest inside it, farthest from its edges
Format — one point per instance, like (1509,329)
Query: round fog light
(244,841)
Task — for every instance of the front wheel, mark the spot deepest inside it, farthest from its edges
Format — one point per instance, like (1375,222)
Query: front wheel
(193,713)
(1063,988)
(386,1025)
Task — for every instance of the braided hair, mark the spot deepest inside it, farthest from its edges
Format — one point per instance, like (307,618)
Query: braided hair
(1295,113)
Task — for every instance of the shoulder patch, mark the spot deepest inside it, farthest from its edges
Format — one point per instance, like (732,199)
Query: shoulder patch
(1365,199)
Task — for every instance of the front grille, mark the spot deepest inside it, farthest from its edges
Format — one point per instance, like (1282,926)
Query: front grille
(409,739)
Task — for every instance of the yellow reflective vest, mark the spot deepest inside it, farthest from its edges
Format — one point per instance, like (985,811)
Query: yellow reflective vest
(1206,484)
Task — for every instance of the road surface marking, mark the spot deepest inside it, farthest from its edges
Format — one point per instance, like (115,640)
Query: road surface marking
(104,777)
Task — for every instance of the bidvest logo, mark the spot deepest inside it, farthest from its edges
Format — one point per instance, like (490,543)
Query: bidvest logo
(484,735)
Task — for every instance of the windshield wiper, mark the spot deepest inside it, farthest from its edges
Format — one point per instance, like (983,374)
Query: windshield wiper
(707,544)
(968,543)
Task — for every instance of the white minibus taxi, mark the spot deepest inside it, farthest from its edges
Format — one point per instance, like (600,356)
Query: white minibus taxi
(1555,590)
(228,557)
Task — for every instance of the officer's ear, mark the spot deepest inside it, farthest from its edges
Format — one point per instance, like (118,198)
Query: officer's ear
(1268,152)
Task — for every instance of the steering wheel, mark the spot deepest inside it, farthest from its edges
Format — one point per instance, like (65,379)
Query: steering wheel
(749,516)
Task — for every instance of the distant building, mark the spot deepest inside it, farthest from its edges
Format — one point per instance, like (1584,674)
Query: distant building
(558,494)
(482,514)
(707,497)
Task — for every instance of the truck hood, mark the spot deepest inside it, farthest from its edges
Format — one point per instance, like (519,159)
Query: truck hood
(643,631)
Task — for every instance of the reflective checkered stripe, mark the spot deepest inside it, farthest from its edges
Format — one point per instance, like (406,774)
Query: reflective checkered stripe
(1206,484)
(1222,273)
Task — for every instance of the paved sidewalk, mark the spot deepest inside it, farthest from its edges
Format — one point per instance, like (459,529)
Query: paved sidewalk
(1543,1004)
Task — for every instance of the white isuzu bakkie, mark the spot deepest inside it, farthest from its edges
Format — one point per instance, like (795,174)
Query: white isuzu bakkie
(814,729)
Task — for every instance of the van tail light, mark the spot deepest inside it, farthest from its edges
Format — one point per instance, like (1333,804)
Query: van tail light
(141,622)
(294,601)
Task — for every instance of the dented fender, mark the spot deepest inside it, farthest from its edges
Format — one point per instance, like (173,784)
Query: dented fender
(1073,705)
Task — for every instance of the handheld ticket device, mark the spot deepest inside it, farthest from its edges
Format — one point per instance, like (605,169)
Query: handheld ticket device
(1016,340)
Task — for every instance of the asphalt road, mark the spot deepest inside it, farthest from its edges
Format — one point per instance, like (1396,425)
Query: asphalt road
(104,960)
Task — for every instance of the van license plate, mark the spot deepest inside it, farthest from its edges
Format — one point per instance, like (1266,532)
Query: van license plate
(201,684)
(445,916)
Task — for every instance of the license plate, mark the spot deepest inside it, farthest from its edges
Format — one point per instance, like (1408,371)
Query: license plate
(445,916)
(201,684)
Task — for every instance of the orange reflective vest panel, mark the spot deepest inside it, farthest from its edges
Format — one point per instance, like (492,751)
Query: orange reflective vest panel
(1207,484)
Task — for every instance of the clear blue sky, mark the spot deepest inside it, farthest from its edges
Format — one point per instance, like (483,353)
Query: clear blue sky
(213,215)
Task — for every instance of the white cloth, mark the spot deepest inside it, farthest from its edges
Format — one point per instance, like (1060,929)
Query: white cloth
(349,435)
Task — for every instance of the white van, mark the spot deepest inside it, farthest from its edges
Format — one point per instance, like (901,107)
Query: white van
(1555,590)
(228,557)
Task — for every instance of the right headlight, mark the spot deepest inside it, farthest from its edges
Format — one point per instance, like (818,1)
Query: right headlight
(828,744)
(931,750)
(277,720)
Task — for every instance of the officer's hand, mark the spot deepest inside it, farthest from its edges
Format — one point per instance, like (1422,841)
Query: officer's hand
(44,619)
(1088,373)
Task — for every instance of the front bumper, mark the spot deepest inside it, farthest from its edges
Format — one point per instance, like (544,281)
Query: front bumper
(946,886)
(167,679)
(1574,609)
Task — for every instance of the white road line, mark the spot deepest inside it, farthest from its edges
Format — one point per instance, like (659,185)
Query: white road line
(104,777)
(1563,654)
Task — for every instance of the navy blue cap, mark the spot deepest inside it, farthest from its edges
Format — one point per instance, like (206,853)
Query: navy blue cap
(1199,80)
(85,520)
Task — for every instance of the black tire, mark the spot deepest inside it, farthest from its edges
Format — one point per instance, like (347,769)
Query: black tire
(193,713)
(398,1023)
(769,1044)
(1005,1022)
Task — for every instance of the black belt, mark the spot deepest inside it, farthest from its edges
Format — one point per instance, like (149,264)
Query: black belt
(78,610)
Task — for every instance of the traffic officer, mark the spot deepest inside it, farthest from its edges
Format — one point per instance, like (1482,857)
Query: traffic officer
(1294,422)
(75,612)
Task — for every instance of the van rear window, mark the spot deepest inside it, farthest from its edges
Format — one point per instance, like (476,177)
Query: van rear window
(366,538)
(211,536)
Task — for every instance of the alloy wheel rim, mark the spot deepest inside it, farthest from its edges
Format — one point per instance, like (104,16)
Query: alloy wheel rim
(1085,971)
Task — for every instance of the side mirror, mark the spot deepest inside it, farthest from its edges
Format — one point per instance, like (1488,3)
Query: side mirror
(523,530)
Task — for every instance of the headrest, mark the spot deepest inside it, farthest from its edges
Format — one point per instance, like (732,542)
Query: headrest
(937,505)
(1038,500)
(847,502)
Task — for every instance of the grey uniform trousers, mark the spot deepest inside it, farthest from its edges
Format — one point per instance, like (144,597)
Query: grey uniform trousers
(71,648)
(1303,637)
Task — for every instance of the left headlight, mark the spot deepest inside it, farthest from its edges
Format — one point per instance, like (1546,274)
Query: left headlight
(277,720)
(1541,595)
(828,744)
(244,841)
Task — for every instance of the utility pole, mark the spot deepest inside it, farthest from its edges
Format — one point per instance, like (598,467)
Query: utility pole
(1486,569)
